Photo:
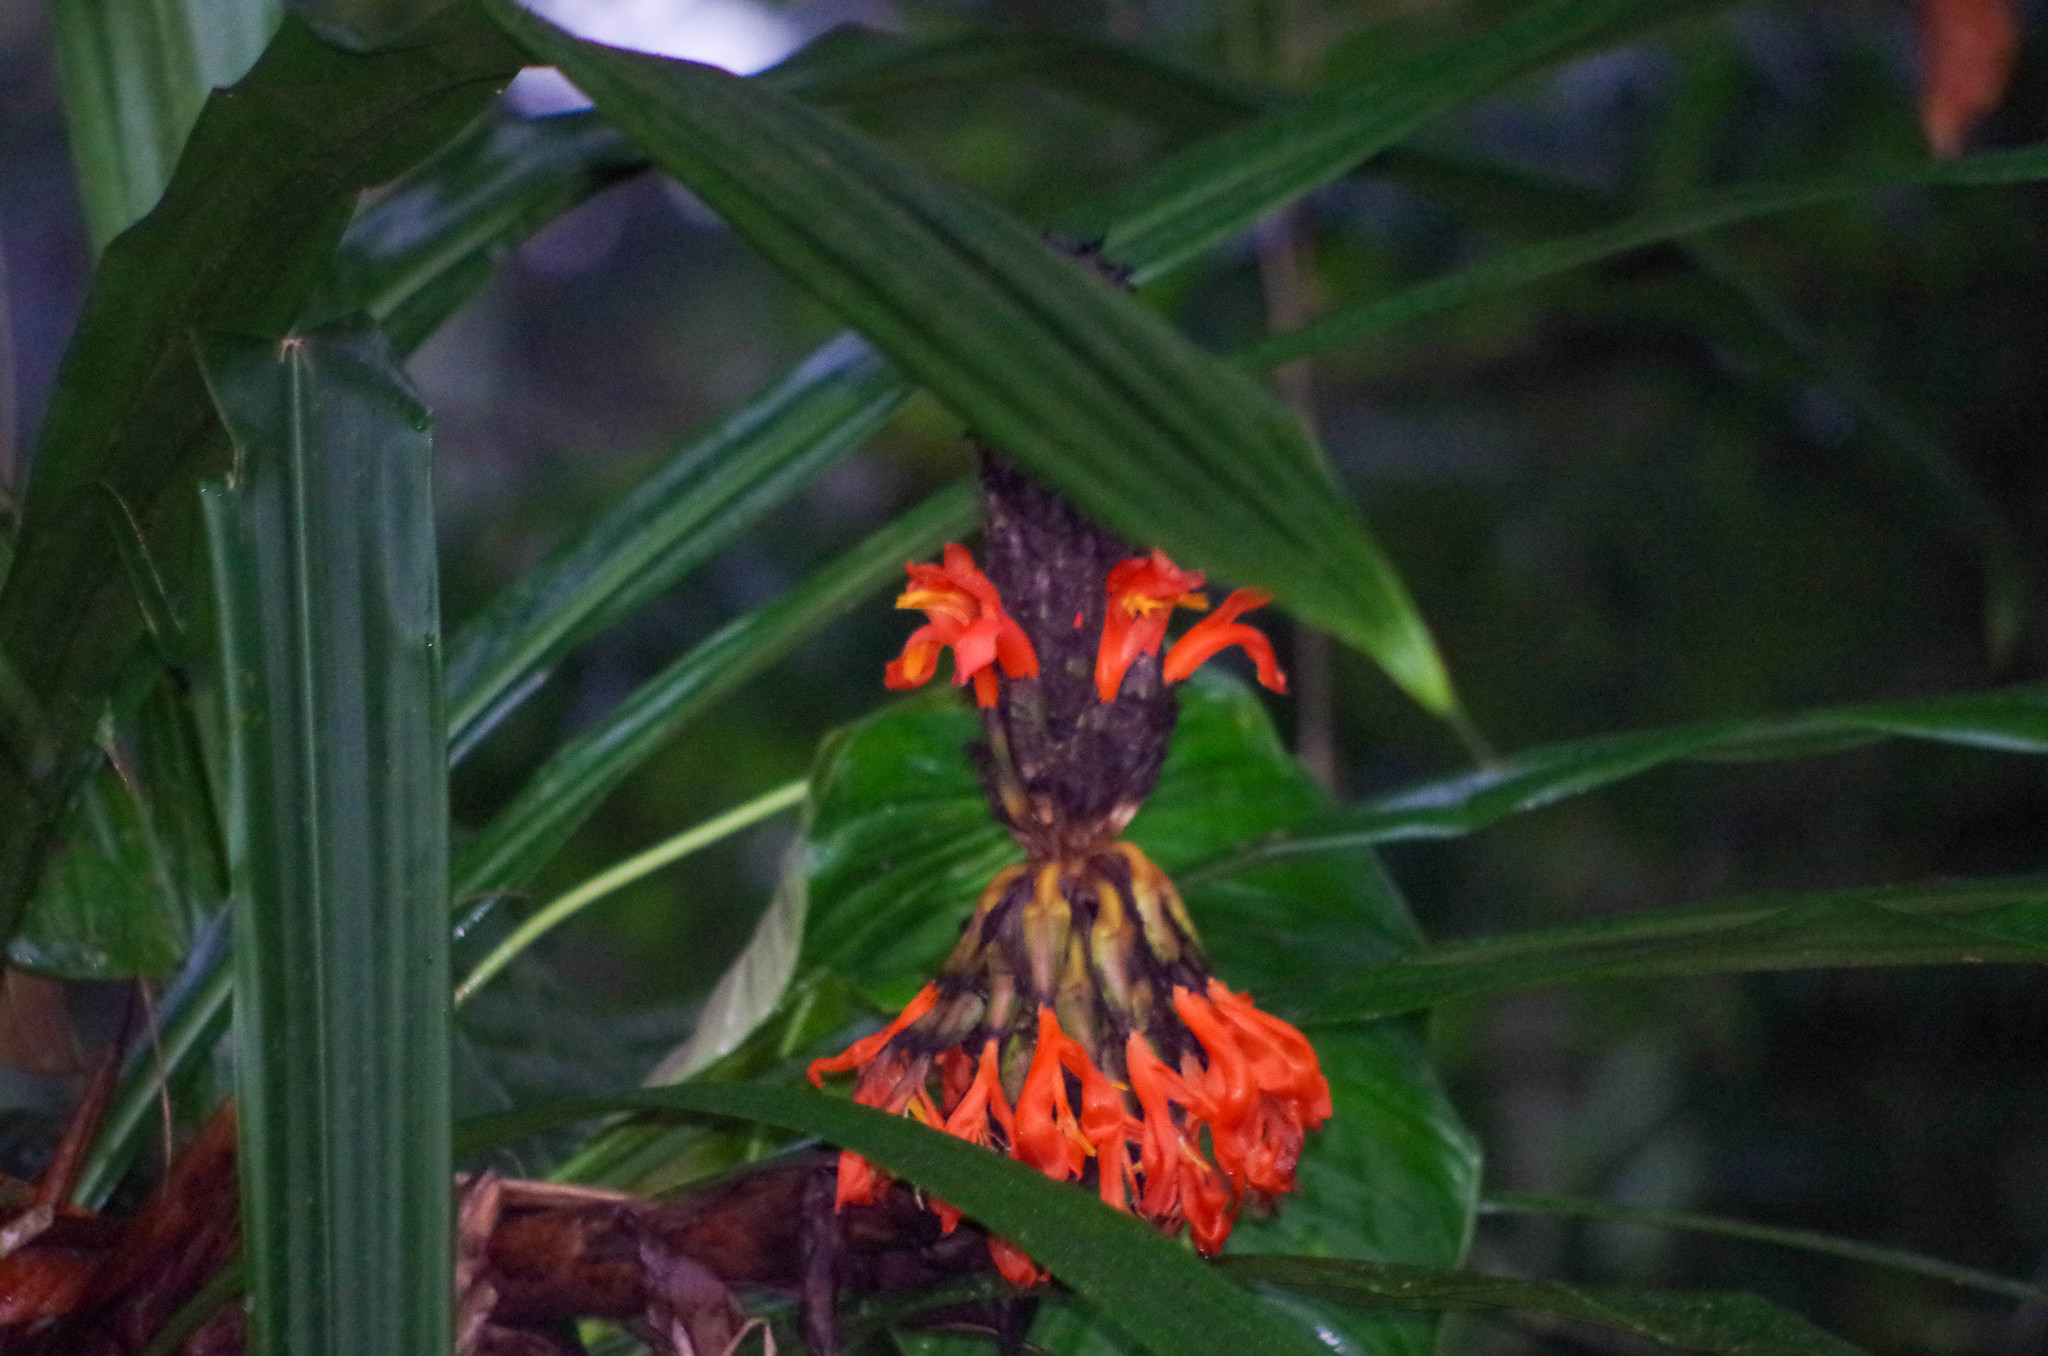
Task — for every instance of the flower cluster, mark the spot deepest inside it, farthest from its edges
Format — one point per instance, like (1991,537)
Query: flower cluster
(1076,1026)
(1092,1044)
(967,613)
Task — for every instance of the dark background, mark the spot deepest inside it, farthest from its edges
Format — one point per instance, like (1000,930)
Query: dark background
(1618,508)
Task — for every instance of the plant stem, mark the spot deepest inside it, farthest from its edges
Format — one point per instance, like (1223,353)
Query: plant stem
(625,873)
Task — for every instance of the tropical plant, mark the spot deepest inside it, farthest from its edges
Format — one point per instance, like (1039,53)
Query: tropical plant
(231,710)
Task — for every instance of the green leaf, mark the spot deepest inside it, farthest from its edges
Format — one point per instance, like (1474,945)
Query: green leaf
(134,75)
(1918,456)
(704,498)
(270,173)
(660,1156)
(570,785)
(419,251)
(2004,720)
(1803,1240)
(1697,214)
(1058,369)
(1209,192)
(1717,1324)
(901,845)
(1154,1290)
(192,1019)
(851,65)
(752,988)
(139,868)
(338,819)
(1943,923)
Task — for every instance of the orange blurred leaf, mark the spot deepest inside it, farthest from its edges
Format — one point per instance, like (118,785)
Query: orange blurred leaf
(1967,50)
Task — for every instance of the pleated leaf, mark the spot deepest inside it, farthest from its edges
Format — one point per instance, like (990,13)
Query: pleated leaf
(1208,192)
(700,501)
(1940,923)
(1155,1291)
(1713,1324)
(1703,211)
(571,784)
(324,570)
(269,175)
(1052,365)
(2003,720)
(134,75)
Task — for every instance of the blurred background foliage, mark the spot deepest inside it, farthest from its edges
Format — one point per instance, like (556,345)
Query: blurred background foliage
(1628,497)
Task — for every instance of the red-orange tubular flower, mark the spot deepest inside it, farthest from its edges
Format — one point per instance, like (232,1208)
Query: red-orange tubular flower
(1142,595)
(966,613)
(1220,630)
(1076,1026)
(1143,592)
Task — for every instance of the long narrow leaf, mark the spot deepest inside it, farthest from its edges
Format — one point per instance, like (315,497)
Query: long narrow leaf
(1714,1324)
(413,256)
(1802,1240)
(1706,211)
(1211,191)
(522,178)
(268,177)
(2006,720)
(696,504)
(1154,1290)
(569,786)
(1052,365)
(134,76)
(855,65)
(1943,923)
(338,818)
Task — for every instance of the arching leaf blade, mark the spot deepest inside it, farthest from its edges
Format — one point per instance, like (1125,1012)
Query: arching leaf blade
(1050,364)
(2003,720)
(1156,1291)
(1712,1324)
(702,499)
(1699,213)
(1998,920)
(572,783)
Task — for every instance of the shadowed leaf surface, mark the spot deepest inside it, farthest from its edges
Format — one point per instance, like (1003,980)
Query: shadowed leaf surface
(338,820)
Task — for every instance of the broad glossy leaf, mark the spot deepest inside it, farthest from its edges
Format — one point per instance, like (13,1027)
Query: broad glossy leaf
(569,786)
(410,258)
(901,845)
(2004,720)
(270,173)
(1942,923)
(1702,212)
(324,572)
(1715,1324)
(705,497)
(139,869)
(134,74)
(1060,370)
(1802,1240)
(1156,1291)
